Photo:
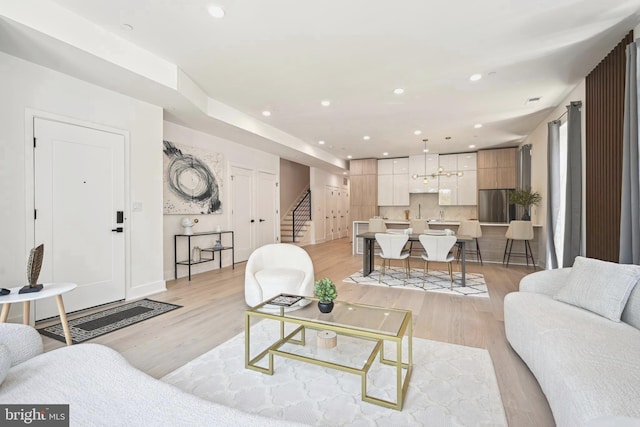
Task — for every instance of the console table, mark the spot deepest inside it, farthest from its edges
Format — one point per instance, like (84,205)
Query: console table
(212,250)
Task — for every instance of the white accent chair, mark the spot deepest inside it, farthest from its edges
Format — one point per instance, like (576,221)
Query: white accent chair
(519,230)
(392,247)
(275,269)
(437,249)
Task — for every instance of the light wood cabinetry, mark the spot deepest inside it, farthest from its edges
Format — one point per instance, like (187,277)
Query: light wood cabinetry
(364,189)
(497,168)
(393,182)
(454,189)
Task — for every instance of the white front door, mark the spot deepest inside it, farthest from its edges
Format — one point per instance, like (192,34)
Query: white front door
(242,212)
(267,201)
(79,188)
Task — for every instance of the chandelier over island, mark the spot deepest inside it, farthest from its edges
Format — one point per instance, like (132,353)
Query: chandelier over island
(441,171)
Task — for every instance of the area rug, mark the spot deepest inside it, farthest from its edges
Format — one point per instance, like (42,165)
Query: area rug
(436,281)
(94,325)
(450,385)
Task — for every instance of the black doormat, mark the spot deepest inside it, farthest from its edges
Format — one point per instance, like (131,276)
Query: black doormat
(94,325)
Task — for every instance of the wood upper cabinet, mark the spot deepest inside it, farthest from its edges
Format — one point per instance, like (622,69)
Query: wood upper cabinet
(497,168)
(364,189)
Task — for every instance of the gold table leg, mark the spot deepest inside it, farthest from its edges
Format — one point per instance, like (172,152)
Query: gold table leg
(63,320)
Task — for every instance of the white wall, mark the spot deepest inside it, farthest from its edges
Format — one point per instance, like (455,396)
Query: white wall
(25,88)
(234,154)
(538,141)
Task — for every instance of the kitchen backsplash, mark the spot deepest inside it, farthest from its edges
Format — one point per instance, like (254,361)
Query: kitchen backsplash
(426,205)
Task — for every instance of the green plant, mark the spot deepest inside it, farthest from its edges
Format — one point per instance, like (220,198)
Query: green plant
(525,197)
(325,290)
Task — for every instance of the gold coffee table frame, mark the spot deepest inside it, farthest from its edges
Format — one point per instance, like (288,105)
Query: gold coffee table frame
(310,317)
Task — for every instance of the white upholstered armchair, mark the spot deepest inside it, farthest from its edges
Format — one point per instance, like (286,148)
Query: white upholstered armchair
(278,268)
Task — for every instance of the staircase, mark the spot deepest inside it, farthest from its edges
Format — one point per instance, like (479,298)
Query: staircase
(302,213)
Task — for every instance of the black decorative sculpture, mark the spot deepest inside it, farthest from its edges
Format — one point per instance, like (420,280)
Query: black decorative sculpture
(33,270)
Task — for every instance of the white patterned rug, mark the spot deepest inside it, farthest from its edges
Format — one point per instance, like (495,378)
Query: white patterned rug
(436,281)
(450,385)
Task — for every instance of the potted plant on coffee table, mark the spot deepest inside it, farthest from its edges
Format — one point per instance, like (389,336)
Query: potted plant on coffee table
(525,198)
(326,292)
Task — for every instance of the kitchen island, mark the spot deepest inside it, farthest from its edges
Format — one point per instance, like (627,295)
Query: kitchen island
(492,242)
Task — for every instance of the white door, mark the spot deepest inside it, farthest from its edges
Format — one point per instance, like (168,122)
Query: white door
(267,199)
(79,188)
(328,213)
(242,212)
(344,213)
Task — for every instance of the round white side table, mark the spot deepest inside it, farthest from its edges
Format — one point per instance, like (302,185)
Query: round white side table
(49,290)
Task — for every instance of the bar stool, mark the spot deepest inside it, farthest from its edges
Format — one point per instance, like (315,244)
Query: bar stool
(519,230)
(377,225)
(470,228)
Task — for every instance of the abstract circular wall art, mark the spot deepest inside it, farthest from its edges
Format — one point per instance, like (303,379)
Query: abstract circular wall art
(192,180)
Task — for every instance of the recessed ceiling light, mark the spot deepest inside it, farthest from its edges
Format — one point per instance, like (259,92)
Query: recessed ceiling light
(325,102)
(426,150)
(475,77)
(398,91)
(349,156)
(216,11)
(477,125)
(321,142)
(417,132)
(127,27)
(366,137)
(266,113)
(344,173)
(385,154)
(472,146)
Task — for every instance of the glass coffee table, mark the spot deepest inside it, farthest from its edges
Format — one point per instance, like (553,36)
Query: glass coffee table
(363,332)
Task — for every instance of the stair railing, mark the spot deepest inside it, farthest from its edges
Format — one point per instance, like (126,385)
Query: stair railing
(301,214)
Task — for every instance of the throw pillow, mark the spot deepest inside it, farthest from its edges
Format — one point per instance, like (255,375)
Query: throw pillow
(599,286)
(5,362)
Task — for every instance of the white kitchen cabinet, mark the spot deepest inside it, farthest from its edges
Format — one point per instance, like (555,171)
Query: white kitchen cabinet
(454,189)
(468,188)
(417,166)
(393,182)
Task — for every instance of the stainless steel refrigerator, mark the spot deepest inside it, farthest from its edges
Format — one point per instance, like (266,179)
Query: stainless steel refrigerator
(494,206)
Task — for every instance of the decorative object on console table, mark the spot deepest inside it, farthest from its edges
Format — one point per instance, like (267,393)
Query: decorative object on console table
(326,292)
(33,270)
(188,225)
(525,198)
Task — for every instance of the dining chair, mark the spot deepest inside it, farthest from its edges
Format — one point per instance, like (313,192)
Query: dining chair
(472,229)
(437,249)
(418,226)
(392,247)
(523,231)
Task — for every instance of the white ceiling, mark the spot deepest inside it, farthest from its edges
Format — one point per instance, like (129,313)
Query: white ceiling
(286,56)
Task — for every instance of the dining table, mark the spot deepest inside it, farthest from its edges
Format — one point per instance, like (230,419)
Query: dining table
(368,254)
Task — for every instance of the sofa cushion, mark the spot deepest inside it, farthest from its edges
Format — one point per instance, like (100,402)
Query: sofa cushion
(5,361)
(599,286)
(585,364)
(631,313)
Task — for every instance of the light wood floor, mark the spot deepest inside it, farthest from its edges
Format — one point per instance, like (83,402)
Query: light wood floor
(214,305)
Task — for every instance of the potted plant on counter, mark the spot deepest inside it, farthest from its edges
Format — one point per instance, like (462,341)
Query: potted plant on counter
(525,198)
(326,292)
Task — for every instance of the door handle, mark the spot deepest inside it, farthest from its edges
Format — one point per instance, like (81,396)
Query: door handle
(118,230)
(253,220)
(262,220)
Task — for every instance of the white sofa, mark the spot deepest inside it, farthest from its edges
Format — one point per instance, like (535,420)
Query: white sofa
(101,387)
(587,365)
